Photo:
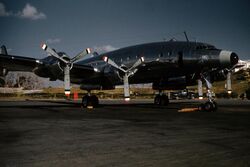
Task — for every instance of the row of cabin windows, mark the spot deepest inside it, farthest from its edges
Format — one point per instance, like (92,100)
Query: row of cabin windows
(204,47)
(168,54)
(128,58)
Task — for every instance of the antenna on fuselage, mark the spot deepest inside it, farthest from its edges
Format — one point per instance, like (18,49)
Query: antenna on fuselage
(186,36)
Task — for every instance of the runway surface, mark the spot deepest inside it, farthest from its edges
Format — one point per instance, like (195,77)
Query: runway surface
(59,133)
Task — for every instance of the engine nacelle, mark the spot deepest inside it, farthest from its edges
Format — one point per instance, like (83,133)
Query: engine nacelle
(90,87)
(96,87)
(43,72)
(228,58)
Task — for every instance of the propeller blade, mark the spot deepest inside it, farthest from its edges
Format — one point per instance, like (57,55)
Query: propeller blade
(80,55)
(112,63)
(52,52)
(126,88)
(138,63)
(208,83)
(229,83)
(200,90)
(67,79)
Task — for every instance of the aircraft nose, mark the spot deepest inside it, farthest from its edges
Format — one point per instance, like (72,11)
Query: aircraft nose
(234,58)
(228,58)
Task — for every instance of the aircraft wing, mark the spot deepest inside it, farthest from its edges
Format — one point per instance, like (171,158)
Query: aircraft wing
(82,71)
(17,63)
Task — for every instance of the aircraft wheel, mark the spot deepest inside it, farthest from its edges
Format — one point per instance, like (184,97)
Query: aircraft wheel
(85,101)
(94,100)
(209,106)
(164,100)
(90,101)
(157,100)
(215,106)
(161,100)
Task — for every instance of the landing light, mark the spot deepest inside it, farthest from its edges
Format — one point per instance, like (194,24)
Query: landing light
(200,98)
(229,91)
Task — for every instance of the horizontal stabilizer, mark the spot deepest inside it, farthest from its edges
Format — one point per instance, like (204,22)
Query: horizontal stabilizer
(3,50)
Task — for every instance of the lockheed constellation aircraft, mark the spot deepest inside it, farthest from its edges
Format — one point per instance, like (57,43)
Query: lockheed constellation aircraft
(167,65)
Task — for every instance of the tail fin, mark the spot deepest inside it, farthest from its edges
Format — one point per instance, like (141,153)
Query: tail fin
(3,50)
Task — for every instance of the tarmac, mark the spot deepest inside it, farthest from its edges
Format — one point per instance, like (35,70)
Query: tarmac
(118,133)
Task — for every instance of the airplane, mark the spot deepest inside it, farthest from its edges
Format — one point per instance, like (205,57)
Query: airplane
(167,65)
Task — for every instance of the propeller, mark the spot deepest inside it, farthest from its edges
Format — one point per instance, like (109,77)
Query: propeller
(229,82)
(200,90)
(127,73)
(229,79)
(67,64)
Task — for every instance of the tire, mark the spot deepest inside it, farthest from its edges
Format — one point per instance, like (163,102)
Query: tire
(215,106)
(94,100)
(90,101)
(210,106)
(161,100)
(157,100)
(164,100)
(85,101)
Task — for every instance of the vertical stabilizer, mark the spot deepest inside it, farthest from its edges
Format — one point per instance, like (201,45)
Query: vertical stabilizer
(3,50)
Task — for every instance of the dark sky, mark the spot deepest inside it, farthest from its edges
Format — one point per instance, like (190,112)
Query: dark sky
(72,25)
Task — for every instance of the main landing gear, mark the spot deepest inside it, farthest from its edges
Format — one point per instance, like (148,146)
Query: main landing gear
(90,100)
(161,99)
(210,105)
